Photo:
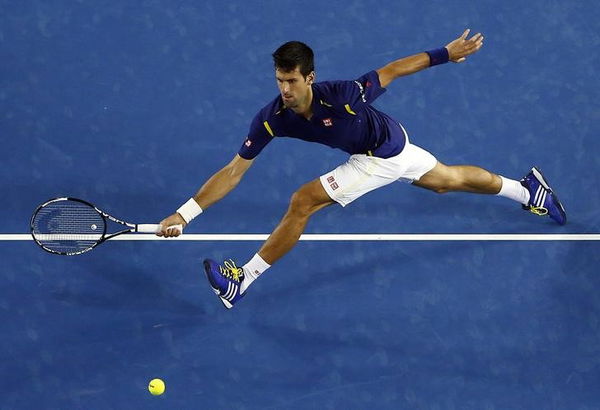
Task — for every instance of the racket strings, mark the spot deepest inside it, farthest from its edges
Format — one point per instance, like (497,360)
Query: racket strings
(67,227)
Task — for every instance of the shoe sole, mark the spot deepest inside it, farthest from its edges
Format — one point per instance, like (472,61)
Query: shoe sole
(225,302)
(538,174)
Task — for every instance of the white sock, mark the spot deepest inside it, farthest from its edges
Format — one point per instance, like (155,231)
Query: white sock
(514,190)
(252,270)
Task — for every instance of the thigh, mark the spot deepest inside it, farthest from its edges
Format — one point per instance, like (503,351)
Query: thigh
(416,163)
(313,196)
(354,178)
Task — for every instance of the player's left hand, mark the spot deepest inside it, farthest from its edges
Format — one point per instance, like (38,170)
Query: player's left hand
(462,47)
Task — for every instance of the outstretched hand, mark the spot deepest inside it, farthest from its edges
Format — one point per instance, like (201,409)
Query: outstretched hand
(462,47)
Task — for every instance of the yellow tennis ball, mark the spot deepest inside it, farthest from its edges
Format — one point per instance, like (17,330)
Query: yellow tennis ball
(156,387)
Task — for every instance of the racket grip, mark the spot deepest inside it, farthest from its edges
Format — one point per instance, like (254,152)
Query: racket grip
(153,228)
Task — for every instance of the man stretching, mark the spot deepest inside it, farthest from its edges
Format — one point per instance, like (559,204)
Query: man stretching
(339,114)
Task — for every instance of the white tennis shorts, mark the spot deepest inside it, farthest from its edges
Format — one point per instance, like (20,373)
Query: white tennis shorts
(362,173)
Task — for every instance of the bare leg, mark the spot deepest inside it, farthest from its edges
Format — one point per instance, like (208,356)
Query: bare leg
(443,178)
(310,198)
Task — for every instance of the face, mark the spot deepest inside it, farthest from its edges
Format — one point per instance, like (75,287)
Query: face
(293,87)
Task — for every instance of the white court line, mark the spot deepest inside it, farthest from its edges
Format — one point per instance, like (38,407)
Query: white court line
(347,237)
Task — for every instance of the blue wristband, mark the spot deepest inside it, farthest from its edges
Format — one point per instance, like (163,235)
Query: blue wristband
(438,56)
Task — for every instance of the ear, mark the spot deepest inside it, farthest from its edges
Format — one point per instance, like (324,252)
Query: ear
(311,77)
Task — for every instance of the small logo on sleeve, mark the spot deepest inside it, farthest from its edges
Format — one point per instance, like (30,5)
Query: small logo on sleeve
(248,143)
(328,122)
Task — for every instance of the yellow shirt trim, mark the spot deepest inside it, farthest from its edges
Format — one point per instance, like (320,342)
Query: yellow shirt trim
(347,107)
(268,127)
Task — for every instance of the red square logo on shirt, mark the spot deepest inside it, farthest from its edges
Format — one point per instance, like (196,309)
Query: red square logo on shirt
(327,122)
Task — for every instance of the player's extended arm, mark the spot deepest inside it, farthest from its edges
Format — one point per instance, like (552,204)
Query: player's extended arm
(457,51)
(214,189)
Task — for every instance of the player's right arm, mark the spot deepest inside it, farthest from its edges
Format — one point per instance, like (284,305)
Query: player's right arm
(224,180)
(213,190)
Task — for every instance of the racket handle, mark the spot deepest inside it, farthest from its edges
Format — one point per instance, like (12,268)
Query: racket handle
(153,228)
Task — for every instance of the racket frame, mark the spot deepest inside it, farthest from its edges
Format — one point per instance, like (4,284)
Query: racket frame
(104,237)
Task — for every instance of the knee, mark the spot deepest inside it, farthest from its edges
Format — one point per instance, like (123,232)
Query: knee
(440,180)
(301,204)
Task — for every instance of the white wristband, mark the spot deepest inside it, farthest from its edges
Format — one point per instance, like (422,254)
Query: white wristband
(189,210)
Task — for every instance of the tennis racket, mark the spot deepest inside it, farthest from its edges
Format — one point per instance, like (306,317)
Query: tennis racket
(70,226)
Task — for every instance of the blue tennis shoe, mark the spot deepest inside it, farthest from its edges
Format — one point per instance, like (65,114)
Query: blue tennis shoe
(225,280)
(542,201)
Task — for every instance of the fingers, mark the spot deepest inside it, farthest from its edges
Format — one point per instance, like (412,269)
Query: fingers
(172,232)
(463,47)
(477,37)
(473,41)
(473,44)
(163,230)
(478,42)
(171,227)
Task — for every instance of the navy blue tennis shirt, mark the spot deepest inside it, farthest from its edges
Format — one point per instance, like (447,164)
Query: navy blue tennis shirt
(342,118)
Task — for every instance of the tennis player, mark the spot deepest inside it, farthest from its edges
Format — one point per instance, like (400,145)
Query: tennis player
(339,114)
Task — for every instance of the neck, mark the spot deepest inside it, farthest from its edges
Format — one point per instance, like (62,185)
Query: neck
(305,108)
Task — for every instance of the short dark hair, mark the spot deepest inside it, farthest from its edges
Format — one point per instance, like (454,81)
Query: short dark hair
(294,54)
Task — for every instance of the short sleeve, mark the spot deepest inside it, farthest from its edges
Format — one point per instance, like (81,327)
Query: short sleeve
(258,137)
(358,94)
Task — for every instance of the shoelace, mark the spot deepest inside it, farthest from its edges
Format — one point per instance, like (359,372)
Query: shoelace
(538,210)
(230,271)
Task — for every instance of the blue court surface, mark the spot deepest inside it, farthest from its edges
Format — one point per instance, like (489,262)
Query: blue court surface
(133,105)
